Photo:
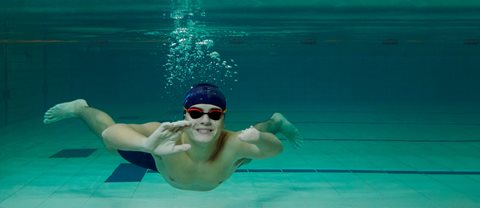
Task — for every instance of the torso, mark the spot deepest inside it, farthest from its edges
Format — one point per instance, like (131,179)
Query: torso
(181,172)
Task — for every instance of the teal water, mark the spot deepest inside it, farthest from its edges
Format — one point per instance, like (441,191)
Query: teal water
(322,54)
(385,93)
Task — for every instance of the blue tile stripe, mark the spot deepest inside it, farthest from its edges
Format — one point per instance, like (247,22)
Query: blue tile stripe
(265,170)
(127,172)
(299,170)
(374,123)
(74,153)
(427,172)
(398,140)
(391,123)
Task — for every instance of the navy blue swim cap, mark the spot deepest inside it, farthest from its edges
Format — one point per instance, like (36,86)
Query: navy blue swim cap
(205,93)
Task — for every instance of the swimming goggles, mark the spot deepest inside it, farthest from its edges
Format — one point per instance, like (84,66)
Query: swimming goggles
(214,114)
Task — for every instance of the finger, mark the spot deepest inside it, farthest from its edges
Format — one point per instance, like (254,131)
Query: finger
(298,145)
(297,142)
(174,136)
(160,129)
(167,134)
(181,124)
(250,134)
(176,128)
(181,148)
(242,134)
(166,125)
(171,126)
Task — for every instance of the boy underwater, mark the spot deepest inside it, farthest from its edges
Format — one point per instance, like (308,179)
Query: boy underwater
(196,153)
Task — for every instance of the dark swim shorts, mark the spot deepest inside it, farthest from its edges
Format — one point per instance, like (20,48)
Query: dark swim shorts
(142,159)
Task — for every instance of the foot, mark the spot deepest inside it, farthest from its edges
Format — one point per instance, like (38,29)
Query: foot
(64,110)
(288,130)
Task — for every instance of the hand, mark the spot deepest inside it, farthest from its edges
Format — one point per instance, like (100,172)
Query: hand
(249,135)
(163,140)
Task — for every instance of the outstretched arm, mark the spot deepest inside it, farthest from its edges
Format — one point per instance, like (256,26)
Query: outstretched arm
(139,138)
(257,144)
(260,141)
(279,124)
(127,136)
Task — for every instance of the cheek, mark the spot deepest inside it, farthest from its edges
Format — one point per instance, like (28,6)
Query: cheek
(219,124)
(188,118)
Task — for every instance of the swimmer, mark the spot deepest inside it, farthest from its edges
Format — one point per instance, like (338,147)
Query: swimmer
(196,153)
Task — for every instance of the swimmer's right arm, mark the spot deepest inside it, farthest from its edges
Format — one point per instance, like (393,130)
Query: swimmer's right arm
(129,137)
(158,139)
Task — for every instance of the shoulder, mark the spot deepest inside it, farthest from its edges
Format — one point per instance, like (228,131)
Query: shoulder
(232,143)
(240,148)
(231,137)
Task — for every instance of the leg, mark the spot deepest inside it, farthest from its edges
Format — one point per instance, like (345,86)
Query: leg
(95,119)
(279,124)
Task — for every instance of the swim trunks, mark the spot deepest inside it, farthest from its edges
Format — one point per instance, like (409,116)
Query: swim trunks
(142,159)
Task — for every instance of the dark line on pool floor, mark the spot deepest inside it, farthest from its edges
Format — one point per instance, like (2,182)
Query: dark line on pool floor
(418,172)
(126,172)
(398,140)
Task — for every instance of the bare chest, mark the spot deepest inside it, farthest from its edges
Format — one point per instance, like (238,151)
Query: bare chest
(183,173)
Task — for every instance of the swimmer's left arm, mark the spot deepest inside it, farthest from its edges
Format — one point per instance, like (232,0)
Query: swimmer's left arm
(259,144)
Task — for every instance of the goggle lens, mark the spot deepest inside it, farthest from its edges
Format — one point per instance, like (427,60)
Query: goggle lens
(214,114)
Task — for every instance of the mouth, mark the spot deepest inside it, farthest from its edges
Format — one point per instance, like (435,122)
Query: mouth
(204,130)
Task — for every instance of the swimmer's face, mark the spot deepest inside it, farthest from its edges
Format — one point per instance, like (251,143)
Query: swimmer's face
(204,129)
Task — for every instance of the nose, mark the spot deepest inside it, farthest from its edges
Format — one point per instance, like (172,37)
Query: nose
(205,119)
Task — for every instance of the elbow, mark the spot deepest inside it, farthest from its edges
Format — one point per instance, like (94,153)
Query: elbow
(277,149)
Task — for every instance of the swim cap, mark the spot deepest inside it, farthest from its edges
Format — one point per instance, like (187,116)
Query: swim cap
(205,93)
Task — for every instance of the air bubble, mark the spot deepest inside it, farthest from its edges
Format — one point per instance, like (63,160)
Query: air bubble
(190,57)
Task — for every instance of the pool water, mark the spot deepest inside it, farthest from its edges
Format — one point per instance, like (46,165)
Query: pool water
(384,93)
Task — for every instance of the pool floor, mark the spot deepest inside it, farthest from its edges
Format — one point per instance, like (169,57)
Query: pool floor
(353,156)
